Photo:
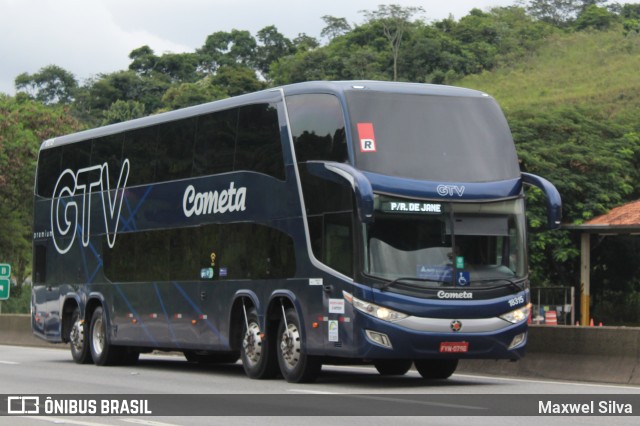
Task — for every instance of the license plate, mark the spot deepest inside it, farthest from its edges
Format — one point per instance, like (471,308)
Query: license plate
(454,347)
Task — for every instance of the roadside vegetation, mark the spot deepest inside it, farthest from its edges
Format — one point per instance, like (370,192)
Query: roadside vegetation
(565,72)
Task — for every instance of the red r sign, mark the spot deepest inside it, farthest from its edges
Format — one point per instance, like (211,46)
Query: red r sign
(367,137)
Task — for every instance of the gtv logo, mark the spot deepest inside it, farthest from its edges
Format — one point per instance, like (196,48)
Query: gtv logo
(65,213)
(450,190)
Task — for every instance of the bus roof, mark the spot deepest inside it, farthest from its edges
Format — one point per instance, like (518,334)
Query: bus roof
(267,95)
(379,86)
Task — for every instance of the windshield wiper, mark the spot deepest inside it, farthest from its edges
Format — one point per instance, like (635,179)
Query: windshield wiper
(397,280)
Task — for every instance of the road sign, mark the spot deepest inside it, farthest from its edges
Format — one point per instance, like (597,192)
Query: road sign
(5,282)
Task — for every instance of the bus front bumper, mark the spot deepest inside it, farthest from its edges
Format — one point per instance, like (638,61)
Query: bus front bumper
(432,338)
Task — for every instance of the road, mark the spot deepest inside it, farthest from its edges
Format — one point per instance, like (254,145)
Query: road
(51,371)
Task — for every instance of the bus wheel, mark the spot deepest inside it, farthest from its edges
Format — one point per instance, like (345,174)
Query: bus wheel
(436,368)
(102,352)
(257,354)
(78,339)
(295,366)
(392,367)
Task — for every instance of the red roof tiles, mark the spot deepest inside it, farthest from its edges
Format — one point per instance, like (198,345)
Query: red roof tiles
(625,215)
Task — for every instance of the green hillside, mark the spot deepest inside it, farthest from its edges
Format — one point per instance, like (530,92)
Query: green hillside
(598,71)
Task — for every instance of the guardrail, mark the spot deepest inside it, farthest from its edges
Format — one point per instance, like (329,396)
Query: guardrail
(595,354)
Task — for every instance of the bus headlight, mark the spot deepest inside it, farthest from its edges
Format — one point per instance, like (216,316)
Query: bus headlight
(518,315)
(374,310)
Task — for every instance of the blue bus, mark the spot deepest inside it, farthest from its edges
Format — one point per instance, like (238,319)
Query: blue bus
(315,223)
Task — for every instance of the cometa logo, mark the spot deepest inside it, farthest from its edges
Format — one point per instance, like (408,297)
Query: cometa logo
(213,202)
(454,295)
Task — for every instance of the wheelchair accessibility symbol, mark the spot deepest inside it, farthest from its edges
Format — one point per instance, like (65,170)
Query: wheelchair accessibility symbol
(463,279)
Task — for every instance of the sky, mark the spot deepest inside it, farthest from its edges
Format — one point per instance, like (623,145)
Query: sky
(91,37)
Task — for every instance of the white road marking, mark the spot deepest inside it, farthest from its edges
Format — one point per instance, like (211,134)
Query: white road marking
(9,362)
(550,382)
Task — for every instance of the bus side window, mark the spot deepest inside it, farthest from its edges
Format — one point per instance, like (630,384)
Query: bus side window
(152,256)
(108,149)
(76,156)
(252,251)
(49,165)
(317,127)
(338,245)
(186,254)
(215,143)
(175,149)
(329,206)
(40,264)
(120,261)
(258,145)
(140,147)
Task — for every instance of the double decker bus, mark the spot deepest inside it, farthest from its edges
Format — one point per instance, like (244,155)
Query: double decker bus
(310,224)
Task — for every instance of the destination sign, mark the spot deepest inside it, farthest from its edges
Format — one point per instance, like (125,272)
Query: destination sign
(411,207)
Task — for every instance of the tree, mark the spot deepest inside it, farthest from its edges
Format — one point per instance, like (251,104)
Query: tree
(594,17)
(395,21)
(51,85)
(143,60)
(556,12)
(592,162)
(559,13)
(334,27)
(304,43)
(179,67)
(123,86)
(236,80)
(273,45)
(120,111)
(189,94)
(224,48)
(304,66)
(24,124)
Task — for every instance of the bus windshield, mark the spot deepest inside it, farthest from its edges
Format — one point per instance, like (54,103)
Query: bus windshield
(427,243)
(429,137)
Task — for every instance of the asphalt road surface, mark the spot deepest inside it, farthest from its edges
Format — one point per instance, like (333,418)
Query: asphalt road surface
(47,371)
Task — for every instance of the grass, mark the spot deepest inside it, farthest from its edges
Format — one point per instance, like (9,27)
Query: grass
(595,70)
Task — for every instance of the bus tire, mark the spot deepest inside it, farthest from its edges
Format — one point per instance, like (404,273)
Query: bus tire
(78,339)
(256,350)
(102,351)
(295,365)
(436,368)
(393,367)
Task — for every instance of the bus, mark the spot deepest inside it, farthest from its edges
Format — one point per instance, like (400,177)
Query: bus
(314,223)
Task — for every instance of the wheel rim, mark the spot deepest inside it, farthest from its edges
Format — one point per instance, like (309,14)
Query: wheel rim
(97,337)
(252,344)
(290,346)
(77,336)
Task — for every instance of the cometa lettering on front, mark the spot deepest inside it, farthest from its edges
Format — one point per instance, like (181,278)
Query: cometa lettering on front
(213,202)
(451,295)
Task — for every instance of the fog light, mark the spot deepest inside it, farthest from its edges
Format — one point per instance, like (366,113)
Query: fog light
(380,339)
(518,340)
